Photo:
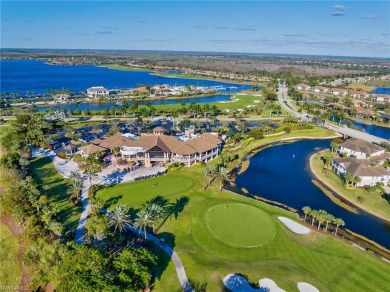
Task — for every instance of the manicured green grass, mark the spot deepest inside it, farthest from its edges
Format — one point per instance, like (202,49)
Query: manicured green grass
(326,262)
(47,177)
(371,202)
(248,226)
(10,270)
(3,131)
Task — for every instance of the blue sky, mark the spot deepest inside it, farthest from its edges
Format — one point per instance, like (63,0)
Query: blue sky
(358,28)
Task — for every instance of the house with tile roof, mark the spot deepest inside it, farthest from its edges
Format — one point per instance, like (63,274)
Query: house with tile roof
(160,131)
(149,149)
(362,168)
(360,149)
(90,149)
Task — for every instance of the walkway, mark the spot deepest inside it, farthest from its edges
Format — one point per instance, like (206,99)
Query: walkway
(181,273)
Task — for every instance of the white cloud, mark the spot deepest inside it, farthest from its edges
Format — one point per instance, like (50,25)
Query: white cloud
(338,10)
(370,16)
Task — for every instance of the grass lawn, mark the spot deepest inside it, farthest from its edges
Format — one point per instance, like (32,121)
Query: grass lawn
(316,132)
(10,270)
(372,203)
(3,131)
(238,232)
(326,262)
(361,86)
(46,175)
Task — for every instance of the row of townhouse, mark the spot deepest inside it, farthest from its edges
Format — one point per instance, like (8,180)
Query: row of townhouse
(363,160)
(333,91)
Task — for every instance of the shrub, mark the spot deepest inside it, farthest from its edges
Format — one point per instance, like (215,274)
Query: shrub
(256,133)
(287,130)
(61,155)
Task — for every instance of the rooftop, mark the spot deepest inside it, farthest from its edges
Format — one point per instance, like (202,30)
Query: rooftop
(361,146)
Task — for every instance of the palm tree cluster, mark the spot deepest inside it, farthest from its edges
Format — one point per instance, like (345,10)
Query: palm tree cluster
(322,217)
(219,171)
(153,214)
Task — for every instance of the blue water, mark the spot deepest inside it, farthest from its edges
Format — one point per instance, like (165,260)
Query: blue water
(282,173)
(103,106)
(381,90)
(375,130)
(27,75)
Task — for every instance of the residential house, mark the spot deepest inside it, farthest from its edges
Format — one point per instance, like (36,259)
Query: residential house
(359,94)
(70,149)
(62,98)
(97,91)
(160,131)
(381,97)
(302,86)
(320,89)
(361,112)
(360,149)
(338,92)
(361,168)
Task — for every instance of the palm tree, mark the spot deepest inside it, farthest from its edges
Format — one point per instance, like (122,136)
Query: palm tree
(356,180)
(91,173)
(223,175)
(120,217)
(56,228)
(328,218)
(212,168)
(206,173)
(313,214)
(348,178)
(156,212)
(321,217)
(76,188)
(306,210)
(338,222)
(142,221)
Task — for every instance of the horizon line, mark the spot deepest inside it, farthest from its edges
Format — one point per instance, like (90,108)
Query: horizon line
(212,52)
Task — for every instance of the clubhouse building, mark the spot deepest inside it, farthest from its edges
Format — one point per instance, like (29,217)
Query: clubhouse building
(158,148)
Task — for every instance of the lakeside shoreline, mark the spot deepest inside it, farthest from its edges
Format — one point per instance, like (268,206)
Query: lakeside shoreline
(130,100)
(342,196)
(158,73)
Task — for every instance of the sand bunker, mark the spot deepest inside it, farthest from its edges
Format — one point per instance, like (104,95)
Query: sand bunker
(237,283)
(294,226)
(306,287)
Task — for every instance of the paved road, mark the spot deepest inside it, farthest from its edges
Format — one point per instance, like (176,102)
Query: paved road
(286,103)
(354,133)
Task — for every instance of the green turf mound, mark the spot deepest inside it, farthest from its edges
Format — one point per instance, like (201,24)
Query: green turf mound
(240,225)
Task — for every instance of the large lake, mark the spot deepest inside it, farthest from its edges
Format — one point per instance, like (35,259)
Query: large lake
(281,173)
(38,76)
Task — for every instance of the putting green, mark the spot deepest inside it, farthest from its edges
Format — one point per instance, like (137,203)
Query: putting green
(240,225)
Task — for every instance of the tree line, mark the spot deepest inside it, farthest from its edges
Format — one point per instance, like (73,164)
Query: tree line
(321,216)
